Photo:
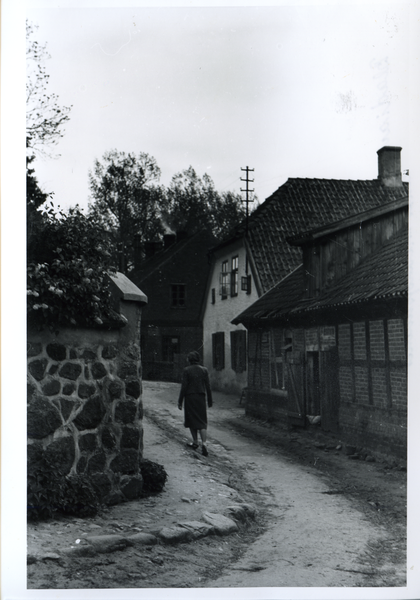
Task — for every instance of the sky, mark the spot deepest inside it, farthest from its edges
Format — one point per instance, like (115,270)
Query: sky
(287,90)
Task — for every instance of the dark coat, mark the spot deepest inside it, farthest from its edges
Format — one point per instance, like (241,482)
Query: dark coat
(194,388)
(195,380)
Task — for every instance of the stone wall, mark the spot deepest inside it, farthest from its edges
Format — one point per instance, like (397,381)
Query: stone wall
(84,400)
(85,409)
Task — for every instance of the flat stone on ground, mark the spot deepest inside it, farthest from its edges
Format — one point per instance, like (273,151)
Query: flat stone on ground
(240,512)
(198,529)
(173,535)
(142,539)
(222,525)
(107,543)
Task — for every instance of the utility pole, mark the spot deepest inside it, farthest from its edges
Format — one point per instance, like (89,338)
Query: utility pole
(247,191)
(247,200)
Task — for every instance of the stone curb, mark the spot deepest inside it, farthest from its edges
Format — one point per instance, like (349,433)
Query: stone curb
(185,531)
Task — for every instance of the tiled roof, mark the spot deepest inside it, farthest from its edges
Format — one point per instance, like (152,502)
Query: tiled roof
(383,274)
(301,205)
(155,263)
(279,300)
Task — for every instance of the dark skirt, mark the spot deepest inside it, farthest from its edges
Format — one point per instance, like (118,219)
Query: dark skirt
(195,411)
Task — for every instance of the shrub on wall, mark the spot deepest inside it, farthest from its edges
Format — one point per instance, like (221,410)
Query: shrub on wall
(69,258)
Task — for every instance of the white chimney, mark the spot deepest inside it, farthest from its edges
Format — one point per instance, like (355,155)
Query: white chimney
(389,166)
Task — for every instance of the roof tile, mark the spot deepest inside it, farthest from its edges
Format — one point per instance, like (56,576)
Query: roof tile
(300,205)
(382,274)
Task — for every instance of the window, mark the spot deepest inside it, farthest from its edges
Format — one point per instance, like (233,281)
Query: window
(280,343)
(234,280)
(170,347)
(218,340)
(213,296)
(178,295)
(224,280)
(246,284)
(238,350)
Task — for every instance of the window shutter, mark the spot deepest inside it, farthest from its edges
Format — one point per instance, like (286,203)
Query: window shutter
(218,350)
(222,349)
(248,284)
(213,338)
(233,346)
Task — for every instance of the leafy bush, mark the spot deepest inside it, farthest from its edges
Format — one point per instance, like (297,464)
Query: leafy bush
(79,497)
(49,491)
(44,489)
(154,476)
(69,258)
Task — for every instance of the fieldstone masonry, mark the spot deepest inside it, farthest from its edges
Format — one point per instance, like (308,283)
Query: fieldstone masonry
(84,400)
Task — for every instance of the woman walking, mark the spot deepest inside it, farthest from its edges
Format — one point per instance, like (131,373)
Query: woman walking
(194,389)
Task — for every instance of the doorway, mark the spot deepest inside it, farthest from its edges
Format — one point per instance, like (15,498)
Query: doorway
(313,405)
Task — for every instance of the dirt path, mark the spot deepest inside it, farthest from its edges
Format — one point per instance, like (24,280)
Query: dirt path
(321,529)
(323,520)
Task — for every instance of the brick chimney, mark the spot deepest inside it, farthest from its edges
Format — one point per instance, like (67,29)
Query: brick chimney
(389,166)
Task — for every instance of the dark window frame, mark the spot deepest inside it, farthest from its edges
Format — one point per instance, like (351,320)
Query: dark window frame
(168,347)
(218,349)
(178,299)
(246,284)
(224,280)
(234,278)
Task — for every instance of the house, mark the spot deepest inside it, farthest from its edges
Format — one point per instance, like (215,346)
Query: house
(329,341)
(232,286)
(257,256)
(173,276)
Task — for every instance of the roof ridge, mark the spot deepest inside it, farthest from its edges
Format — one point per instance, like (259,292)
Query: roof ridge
(165,255)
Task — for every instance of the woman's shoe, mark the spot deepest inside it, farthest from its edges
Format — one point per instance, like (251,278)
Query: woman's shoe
(193,445)
(204,450)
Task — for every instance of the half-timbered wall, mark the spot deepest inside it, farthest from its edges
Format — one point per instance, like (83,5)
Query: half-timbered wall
(263,400)
(372,379)
(373,383)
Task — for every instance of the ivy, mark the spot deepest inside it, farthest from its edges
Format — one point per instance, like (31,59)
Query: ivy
(50,492)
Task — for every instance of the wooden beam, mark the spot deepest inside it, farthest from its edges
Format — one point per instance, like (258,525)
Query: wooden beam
(387,366)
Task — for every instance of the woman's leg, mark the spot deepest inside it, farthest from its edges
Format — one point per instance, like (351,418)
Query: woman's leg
(203,435)
(194,435)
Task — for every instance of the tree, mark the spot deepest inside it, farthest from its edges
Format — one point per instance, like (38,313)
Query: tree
(127,200)
(35,197)
(194,204)
(67,273)
(44,123)
(45,119)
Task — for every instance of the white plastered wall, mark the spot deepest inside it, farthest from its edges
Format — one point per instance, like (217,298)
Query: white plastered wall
(218,317)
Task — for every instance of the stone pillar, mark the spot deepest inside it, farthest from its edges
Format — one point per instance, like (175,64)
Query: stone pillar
(84,399)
